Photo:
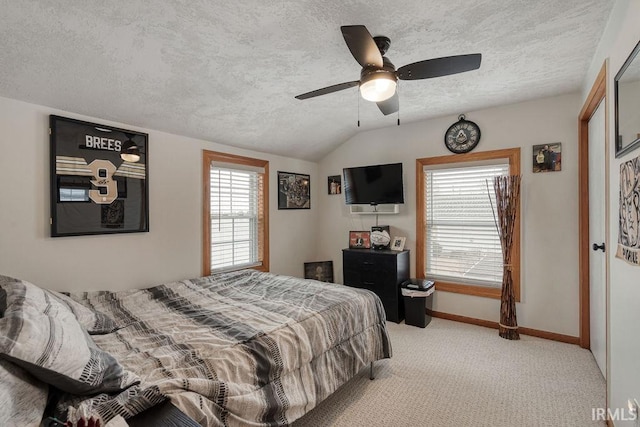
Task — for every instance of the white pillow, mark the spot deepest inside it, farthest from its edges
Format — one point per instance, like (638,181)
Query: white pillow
(93,321)
(41,334)
(22,397)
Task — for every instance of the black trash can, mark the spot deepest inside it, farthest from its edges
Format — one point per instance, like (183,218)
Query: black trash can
(418,297)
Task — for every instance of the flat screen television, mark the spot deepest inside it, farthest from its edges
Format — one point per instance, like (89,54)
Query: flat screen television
(373,185)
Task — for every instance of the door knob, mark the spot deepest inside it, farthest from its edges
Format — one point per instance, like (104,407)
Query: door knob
(596,247)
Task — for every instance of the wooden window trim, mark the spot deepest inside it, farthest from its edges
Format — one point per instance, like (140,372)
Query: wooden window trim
(513,156)
(207,158)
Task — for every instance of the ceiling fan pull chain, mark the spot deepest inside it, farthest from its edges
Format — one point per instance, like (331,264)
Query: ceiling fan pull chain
(398,93)
(358,94)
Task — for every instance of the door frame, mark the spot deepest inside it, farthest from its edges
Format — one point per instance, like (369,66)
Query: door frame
(597,94)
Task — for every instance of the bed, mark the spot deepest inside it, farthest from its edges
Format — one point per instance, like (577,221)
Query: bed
(236,348)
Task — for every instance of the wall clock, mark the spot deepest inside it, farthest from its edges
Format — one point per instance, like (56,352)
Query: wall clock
(462,136)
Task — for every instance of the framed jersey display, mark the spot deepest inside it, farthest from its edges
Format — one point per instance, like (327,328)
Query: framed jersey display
(99,179)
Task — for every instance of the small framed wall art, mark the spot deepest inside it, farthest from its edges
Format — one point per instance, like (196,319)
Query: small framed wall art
(629,212)
(294,191)
(98,178)
(547,157)
(359,240)
(334,184)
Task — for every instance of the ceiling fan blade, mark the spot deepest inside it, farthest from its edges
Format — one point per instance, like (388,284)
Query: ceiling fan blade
(439,67)
(389,106)
(361,44)
(328,89)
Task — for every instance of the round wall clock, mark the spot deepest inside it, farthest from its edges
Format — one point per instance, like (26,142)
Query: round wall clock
(462,136)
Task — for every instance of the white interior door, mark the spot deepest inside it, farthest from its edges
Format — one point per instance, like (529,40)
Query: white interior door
(597,269)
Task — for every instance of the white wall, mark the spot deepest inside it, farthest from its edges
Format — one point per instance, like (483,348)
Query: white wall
(550,209)
(620,37)
(171,250)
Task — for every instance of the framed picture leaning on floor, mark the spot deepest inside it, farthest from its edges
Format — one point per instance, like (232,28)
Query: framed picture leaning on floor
(322,271)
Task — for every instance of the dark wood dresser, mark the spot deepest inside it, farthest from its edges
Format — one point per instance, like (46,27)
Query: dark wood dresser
(380,271)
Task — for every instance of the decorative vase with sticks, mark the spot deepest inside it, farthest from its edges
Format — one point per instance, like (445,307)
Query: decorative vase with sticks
(507,190)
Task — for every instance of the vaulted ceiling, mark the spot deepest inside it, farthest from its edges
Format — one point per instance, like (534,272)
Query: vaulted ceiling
(228,71)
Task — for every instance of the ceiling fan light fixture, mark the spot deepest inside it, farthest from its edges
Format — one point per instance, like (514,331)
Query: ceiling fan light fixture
(378,86)
(130,152)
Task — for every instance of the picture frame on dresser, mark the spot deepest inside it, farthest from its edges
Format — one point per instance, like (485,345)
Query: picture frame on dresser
(397,244)
(359,240)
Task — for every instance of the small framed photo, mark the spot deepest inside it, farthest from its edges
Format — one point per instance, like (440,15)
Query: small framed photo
(321,271)
(397,244)
(334,184)
(547,157)
(359,240)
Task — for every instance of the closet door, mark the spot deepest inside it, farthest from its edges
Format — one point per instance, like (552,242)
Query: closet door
(597,258)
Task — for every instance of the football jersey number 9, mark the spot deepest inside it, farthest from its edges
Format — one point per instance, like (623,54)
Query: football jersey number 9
(107,191)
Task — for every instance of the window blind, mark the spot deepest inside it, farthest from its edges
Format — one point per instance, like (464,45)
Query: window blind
(462,242)
(237,215)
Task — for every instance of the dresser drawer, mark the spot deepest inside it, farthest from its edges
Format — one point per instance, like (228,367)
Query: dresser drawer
(369,261)
(379,279)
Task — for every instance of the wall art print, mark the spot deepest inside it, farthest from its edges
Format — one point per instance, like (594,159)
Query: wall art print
(629,224)
(547,157)
(93,189)
(334,184)
(294,191)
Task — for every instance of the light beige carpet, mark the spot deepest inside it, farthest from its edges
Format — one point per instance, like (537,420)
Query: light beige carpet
(454,374)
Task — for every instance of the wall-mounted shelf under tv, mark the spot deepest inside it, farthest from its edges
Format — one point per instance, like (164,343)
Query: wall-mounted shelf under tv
(374,210)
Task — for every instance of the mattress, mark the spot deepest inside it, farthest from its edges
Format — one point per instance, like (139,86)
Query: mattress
(236,348)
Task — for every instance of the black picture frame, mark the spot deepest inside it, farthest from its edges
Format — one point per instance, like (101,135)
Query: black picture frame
(294,190)
(321,271)
(633,65)
(547,157)
(334,184)
(92,189)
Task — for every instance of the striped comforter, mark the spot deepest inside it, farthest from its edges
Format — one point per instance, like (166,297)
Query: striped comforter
(239,348)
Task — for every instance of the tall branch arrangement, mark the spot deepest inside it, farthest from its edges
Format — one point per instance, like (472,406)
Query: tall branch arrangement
(507,189)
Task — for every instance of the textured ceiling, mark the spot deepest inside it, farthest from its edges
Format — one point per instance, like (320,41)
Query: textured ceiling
(228,71)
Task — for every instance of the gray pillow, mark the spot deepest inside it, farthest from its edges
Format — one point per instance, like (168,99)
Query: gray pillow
(22,397)
(41,334)
(93,321)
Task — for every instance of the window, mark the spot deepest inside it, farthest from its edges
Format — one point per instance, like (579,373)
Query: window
(458,244)
(235,212)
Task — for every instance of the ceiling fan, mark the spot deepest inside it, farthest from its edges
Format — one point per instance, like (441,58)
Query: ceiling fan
(378,78)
